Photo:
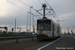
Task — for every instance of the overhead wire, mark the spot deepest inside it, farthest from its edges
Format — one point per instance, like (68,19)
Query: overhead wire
(40,2)
(48,12)
(48,4)
(51,8)
(24,3)
(30,6)
(17,6)
(20,7)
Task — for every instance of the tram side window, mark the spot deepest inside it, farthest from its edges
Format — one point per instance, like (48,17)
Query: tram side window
(48,28)
(58,29)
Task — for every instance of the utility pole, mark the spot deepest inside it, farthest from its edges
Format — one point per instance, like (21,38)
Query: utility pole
(15,25)
(30,17)
(33,25)
(20,30)
(27,21)
(10,27)
(68,30)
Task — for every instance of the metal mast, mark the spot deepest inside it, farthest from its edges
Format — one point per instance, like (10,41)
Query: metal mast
(44,6)
(30,17)
(67,29)
(27,21)
(15,25)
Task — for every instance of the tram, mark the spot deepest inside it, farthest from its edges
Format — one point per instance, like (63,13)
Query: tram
(47,29)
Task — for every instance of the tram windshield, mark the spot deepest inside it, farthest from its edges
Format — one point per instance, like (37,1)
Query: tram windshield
(44,25)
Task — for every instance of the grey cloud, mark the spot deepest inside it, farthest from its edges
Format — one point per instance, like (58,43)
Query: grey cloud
(63,8)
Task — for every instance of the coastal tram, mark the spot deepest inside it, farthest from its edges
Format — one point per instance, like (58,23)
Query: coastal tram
(47,28)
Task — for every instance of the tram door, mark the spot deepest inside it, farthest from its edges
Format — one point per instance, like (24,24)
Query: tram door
(52,30)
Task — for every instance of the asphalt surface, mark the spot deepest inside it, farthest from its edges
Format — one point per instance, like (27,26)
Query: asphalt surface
(67,42)
(24,44)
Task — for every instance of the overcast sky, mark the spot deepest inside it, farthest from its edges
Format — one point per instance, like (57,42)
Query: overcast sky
(65,10)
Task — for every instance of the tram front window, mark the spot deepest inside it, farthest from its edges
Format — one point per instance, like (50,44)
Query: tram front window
(44,25)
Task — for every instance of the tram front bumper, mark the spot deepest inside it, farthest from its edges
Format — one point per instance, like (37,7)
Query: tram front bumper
(43,37)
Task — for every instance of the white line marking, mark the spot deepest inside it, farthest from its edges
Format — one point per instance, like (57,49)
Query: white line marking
(48,44)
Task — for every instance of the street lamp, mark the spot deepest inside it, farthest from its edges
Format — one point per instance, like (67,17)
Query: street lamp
(30,17)
(27,21)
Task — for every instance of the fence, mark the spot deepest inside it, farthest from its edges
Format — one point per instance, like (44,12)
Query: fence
(17,38)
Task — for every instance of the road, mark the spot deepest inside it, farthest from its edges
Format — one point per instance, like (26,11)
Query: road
(66,41)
